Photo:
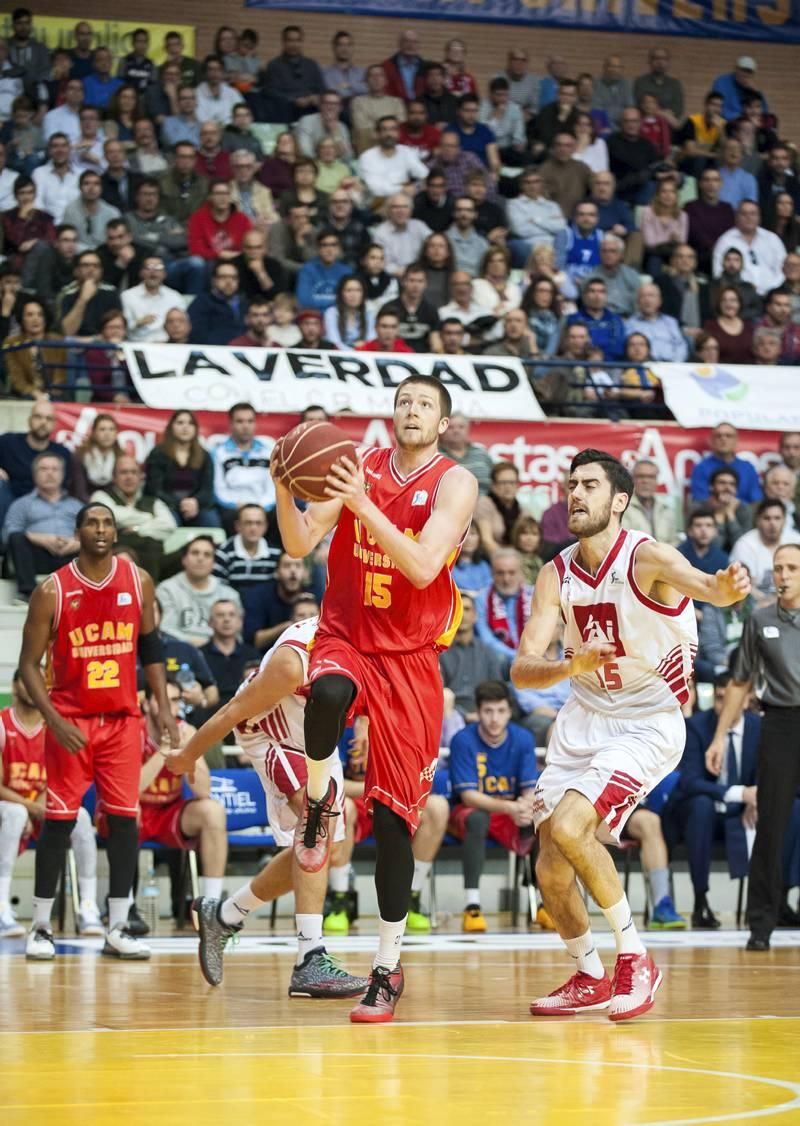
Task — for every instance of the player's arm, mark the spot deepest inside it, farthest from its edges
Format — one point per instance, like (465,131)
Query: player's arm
(151,655)
(302,531)
(661,563)
(422,559)
(531,668)
(35,639)
(283,674)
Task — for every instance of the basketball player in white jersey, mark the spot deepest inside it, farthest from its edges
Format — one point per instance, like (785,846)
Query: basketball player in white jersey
(267,713)
(629,643)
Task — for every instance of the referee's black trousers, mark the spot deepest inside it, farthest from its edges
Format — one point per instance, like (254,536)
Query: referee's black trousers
(778,780)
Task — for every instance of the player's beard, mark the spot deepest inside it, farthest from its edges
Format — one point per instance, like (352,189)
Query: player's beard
(416,439)
(587,525)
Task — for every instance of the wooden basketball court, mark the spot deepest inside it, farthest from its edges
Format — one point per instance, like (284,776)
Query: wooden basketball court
(86,1040)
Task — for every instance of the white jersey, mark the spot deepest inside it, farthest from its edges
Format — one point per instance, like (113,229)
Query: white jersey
(655,644)
(283,726)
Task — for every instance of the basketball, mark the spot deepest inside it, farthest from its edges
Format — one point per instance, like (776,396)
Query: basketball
(304,457)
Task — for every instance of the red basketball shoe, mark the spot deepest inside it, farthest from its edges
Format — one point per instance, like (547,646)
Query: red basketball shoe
(383,992)
(581,994)
(636,979)
(312,837)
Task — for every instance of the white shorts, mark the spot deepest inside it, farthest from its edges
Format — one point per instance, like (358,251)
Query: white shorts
(614,763)
(282,771)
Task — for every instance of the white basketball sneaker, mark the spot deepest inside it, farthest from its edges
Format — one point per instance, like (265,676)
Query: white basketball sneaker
(40,945)
(120,943)
(90,925)
(9,927)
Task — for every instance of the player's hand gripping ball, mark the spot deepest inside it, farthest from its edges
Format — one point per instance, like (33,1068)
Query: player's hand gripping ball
(302,459)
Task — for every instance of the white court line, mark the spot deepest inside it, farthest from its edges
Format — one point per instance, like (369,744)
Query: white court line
(760,1112)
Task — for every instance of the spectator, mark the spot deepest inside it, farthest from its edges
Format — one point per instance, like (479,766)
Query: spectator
(96,456)
(24,226)
(180,473)
(732,266)
(81,305)
(621,282)
(261,276)
(277,171)
(724,441)
(762,251)
(318,278)
(226,656)
(663,225)
(532,218)
(730,330)
(183,189)
(19,450)
(33,371)
(120,258)
(585,103)
(65,118)
(433,204)
(456,164)
(439,105)
(767,344)
(56,182)
(581,250)
(367,110)
(542,305)
(400,236)
(700,546)
(247,560)
(238,136)
(241,466)
(493,773)
(667,91)
(517,339)
(789,449)
(347,79)
(348,322)
(87,148)
(405,70)
(352,232)
(701,135)
(106,367)
(118,184)
(505,119)
(100,86)
(490,218)
(89,213)
(313,127)
(292,241)
(290,79)
(182,127)
(418,319)
(780,483)
(216,230)
(380,286)
(650,511)
(158,102)
(498,510)
(558,116)
(388,168)
(387,333)
(778,316)
(475,137)
(632,159)
(187,598)
(469,247)
(566,180)
(494,289)
(259,326)
(655,127)
(606,329)
(309,322)
(173,51)
(612,92)
(217,316)
(453,337)
(135,67)
(21,146)
(709,217)
(25,50)
(39,527)
(685,294)
(522,85)
(777,176)
(756,549)
(143,522)
(614,215)
(738,184)
(733,517)
(273,610)
(785,223)
(213,161)
(152,227)
(456,445)
(459,80)
(472,571)
(667,342)
(81,53)
(526,538)
(737,86)
(591,150)
(475,318)
(718,637)
(215,98)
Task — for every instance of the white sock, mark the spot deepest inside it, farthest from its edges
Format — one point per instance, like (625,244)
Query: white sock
(239,905)
(339,878)
(87,889)
(659,884)
(42,910)
(421,870)
(84,845)
(472,897)
(212,886)
(309,935)
(319,775)
(5,889)
(390,937)
(584,952)
(117,912)
(620,919)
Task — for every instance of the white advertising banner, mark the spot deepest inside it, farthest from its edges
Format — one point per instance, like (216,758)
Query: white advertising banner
(747,396)
(276,380)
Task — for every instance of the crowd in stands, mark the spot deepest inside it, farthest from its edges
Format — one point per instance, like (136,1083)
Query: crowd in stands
(291,201)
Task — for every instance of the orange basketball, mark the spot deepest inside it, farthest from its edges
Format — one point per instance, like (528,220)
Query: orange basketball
(303,457)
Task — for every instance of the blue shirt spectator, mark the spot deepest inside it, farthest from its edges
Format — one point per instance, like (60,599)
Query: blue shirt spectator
(317,279)
(502,771)
(100,86)
(606,329)
(477,137)
(700,547)
(737,184)
(723,441)
(736,86)
(505,606)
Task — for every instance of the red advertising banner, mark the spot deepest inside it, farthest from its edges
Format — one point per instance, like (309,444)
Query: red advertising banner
(541,451)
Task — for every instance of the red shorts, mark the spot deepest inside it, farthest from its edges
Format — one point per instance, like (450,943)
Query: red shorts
(403,697)
(162,824)
(501,829)
(112,759)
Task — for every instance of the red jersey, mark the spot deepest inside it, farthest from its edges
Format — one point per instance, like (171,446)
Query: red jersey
(368,601)
(22,752)
(91,661)
(166,787)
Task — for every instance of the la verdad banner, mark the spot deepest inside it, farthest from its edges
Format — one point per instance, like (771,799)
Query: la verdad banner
(540,451)
(278,380)
(775,20)
(758,398)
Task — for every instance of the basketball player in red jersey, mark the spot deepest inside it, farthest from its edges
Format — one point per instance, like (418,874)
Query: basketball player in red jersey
(91,617)
(390,605)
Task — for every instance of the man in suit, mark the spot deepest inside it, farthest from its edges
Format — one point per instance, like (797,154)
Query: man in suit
(706,807)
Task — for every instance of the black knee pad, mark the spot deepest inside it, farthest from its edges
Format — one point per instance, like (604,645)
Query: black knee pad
(387,824)
(332,694)
(122,828)
(57,832)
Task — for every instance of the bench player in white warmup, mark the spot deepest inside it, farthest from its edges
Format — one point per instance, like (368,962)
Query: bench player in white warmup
(267,713)
(629,644)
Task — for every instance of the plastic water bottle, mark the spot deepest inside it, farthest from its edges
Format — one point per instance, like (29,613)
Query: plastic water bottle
(184,677)
(150,900)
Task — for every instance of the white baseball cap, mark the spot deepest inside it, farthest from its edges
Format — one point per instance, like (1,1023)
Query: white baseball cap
(745,62)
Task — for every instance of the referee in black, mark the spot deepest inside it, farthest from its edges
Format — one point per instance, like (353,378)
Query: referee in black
(769,656)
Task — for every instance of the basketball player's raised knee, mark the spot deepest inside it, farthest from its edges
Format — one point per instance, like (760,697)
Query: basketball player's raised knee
(573,823)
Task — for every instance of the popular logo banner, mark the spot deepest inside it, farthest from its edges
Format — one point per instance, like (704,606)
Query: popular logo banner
(759,398)
(274,380)
(776,20)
